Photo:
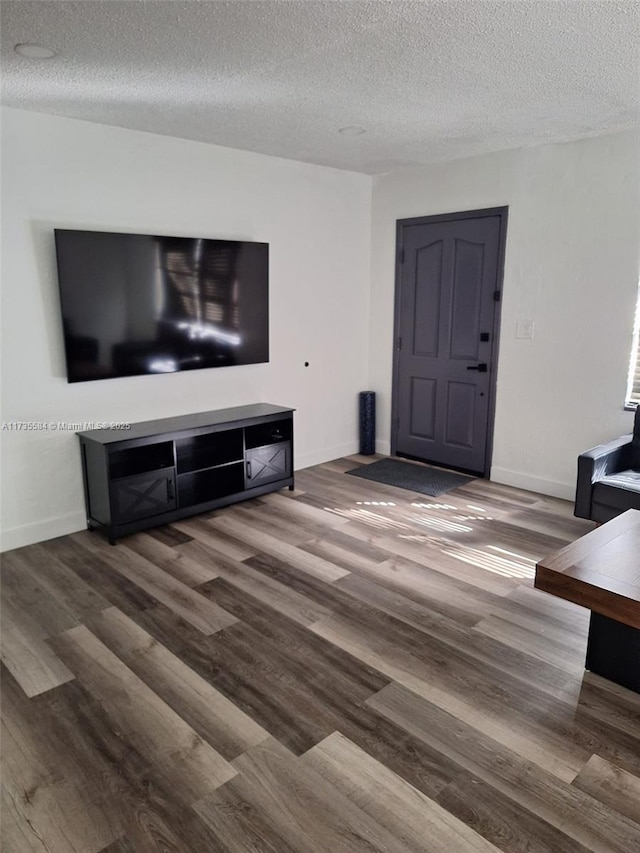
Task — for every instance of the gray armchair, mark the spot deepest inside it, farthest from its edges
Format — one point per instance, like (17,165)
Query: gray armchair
(609,477)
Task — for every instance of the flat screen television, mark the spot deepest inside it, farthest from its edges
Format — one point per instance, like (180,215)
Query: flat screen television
(140,304)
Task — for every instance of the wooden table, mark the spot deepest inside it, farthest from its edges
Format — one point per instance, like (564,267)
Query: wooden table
(601,571)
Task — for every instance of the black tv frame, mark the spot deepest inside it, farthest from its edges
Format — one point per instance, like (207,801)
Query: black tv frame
(214,303)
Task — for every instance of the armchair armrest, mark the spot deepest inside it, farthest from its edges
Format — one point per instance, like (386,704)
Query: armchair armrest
(596,463)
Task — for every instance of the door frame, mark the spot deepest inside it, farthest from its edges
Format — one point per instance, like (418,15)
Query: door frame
(502,213)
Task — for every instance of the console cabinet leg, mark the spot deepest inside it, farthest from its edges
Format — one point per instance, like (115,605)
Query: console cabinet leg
(613,651)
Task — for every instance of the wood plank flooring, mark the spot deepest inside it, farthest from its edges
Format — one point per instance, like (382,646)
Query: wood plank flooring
(347,667)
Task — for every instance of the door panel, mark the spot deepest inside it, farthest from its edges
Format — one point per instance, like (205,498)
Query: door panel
(446,324)
(423,408)
(427,300)
(142,496)
(466,295)
(460,414)
(267,464)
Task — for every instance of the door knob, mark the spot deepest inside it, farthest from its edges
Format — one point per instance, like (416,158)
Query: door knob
(481,368)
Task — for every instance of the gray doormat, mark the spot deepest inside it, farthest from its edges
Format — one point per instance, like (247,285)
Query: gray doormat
(404,475)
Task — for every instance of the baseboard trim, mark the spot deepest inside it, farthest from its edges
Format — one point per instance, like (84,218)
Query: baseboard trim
(554,489)
(40,531)
(383,447)
(327,454)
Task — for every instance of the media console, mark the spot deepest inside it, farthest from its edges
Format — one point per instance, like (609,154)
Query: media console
(160,471)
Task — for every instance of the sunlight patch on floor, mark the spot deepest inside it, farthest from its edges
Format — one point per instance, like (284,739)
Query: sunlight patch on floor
(519,557)
(451,507)
(443,525)
(365,516)
(520,567)
(474,517)
(432,506)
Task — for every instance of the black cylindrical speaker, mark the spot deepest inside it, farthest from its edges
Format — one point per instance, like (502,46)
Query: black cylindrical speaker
(367,422)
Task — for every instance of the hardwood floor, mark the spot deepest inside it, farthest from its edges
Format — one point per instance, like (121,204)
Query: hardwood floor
(347,667)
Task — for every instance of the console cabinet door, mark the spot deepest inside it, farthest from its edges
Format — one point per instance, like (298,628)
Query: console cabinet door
(267,464)
(142,496)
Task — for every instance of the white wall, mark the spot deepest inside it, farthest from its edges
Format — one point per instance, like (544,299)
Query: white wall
(573,244)
(65,173)
(571,266)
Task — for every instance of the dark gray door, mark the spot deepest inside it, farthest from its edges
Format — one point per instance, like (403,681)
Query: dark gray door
(447,307)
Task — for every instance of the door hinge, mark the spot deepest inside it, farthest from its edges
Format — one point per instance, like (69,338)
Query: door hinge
(399,343)
(496,295)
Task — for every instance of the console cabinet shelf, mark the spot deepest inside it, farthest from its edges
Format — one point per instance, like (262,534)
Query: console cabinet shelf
(160,471)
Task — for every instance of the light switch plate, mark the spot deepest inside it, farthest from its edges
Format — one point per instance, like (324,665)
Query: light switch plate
(524,330)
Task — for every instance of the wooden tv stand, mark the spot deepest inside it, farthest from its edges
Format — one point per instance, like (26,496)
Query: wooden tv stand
(159,471)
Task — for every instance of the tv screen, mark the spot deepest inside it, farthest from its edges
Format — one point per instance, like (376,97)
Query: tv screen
(139,304)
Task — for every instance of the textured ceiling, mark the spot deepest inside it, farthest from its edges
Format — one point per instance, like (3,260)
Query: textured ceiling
(428,80)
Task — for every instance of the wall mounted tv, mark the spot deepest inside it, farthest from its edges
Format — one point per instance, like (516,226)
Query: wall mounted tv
(138,304)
